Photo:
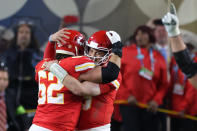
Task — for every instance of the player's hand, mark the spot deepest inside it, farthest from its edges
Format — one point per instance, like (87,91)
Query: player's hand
(152,106)
(171,22)
(56,69)
(181,113)
(59,36)
(116,42)
(132,100)
(48,64)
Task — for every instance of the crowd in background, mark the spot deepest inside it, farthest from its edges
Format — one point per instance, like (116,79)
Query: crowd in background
(150,76)
(148,54)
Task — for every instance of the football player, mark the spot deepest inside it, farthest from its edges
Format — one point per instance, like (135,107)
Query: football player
(50,96)
(96,111)
(58,109)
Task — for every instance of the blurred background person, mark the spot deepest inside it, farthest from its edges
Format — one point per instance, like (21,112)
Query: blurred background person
(21,57)
(144,80)
(162,45)
(6,35)
(4,81)
(69,20)
(182,96)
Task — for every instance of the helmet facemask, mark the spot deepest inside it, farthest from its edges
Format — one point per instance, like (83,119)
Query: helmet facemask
(103,59)
(101,44)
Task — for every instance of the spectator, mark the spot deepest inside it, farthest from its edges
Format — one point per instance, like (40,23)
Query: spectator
(69,20)
(162,45)
(21,57)
(144,80)
(6,35)
(3,85)
(183,97)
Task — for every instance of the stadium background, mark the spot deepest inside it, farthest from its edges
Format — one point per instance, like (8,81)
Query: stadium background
(122,16)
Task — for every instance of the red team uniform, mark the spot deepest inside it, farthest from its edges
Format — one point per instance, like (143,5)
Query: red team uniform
(183,94)
(58,109)
(97,110)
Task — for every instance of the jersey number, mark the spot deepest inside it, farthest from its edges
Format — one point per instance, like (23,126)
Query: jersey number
(47,91)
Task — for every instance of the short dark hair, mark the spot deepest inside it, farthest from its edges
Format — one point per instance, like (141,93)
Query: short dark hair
(3,66)
(147,30)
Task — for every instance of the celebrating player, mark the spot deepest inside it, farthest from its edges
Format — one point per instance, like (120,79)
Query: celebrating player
(179,49)
(53,98)
(97,111)
(58,109)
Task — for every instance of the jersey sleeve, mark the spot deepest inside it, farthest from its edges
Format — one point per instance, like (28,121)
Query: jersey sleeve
(114,85)
(77,65)
(84,64)
(49,52)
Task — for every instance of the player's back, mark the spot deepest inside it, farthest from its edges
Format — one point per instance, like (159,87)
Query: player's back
(97,110)
(58,109)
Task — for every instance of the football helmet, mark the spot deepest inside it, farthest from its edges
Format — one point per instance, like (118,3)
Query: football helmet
(74,45)
(99,41)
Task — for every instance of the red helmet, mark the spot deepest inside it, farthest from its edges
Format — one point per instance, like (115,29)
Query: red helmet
(99,41)
(73,46)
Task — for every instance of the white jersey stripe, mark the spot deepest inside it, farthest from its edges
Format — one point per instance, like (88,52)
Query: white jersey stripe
(116,84)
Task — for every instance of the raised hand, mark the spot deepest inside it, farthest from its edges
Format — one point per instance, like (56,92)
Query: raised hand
(48,64)
(59,36)
(152,106)
(171,22)
(132,100)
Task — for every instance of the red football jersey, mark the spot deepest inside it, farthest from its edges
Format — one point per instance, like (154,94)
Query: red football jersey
(58,109)
(97,110)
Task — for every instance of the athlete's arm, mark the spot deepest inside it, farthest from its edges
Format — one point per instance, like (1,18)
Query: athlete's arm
(179,49)
(75,86)
(81,89)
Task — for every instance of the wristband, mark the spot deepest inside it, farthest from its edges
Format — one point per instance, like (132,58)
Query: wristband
(50,39)
(58,71)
